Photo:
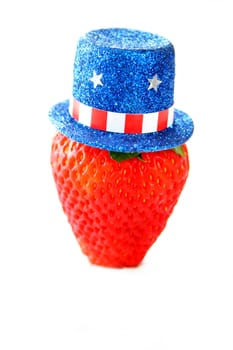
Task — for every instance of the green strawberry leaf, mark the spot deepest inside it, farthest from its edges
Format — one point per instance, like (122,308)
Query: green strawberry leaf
(120,156)
(179,150)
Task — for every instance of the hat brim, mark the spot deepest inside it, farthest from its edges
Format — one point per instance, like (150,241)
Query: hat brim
(177,134)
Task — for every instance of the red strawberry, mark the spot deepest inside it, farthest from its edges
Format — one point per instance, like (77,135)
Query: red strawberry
(117,209)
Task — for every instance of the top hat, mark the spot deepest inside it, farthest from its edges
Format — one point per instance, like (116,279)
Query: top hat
(123,87)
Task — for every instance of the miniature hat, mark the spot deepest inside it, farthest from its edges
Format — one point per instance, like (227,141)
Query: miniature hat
(123,91)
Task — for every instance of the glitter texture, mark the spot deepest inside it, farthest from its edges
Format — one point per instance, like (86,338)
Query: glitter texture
(126,59)
(123,71)
(177,134)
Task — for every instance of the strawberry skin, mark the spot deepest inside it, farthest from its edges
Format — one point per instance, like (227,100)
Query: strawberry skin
(116,209)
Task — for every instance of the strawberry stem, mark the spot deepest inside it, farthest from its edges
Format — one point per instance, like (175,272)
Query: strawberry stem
(179,150)
(121,156)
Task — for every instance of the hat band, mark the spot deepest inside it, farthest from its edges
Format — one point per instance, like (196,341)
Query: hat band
(121,122)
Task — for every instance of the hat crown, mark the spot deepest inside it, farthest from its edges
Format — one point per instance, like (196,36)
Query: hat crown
(124,71)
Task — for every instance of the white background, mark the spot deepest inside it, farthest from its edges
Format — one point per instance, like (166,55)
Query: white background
(50,296)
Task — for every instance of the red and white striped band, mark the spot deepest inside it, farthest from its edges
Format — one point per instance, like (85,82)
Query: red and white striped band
(120,122)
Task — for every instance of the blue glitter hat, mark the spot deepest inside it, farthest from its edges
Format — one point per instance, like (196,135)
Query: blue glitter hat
(123,94)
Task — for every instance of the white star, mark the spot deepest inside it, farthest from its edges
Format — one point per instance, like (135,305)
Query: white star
(96,79)
(154,83)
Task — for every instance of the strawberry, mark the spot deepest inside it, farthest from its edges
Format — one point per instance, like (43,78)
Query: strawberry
(117,204)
